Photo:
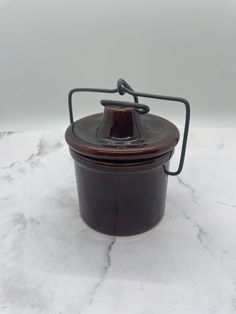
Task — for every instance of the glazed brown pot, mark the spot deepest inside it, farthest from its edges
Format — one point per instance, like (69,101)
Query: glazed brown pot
(121,163)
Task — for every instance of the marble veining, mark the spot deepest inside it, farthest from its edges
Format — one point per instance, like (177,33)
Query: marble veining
(10,166)
(225,204)
(201,234)
(52,263)
(104,272)
(191,189)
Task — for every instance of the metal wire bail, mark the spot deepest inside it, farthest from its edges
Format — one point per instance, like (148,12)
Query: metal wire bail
(122,88)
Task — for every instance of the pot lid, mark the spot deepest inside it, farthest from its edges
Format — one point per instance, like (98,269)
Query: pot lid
(122,132)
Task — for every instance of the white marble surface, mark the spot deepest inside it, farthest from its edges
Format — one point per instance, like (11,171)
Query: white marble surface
(52,263)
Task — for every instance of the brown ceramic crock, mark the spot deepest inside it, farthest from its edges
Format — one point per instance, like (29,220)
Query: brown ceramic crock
(122,162)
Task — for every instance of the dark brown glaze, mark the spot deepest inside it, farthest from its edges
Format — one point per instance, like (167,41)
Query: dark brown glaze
(121,200)
(119,163)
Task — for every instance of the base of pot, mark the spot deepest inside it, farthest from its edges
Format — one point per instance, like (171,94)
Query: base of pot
(122,233)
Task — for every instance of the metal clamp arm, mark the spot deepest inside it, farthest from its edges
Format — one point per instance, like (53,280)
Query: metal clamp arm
(186,125)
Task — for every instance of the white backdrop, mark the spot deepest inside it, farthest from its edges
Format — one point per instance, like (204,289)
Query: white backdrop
(182,48)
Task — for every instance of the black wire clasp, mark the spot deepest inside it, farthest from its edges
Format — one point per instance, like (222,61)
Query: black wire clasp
(122,88)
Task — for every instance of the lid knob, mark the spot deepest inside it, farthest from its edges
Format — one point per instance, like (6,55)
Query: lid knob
(120,123)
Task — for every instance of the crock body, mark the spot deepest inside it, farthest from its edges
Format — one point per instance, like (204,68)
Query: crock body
(121,199)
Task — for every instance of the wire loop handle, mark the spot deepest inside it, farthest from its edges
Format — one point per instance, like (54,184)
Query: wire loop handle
(122,88)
